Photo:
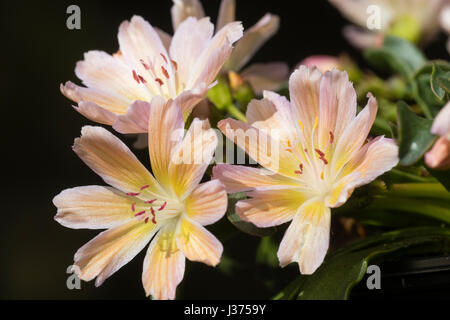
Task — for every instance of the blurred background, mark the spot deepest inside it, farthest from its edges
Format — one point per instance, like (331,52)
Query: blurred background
(39,127)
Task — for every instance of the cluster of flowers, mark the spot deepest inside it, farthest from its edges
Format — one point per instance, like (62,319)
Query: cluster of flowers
(149,87)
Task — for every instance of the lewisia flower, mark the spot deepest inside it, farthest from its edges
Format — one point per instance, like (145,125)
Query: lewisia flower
(439,156)
(168,209)
(148,64)
(415,20)
(266,76)
(322,156)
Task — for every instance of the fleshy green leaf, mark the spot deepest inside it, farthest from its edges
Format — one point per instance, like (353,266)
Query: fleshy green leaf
(346,267)
(245,226)
(414,136)
(396,54)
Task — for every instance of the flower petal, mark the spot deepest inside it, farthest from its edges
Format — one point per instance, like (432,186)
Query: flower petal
(266,76)
(354,135)
(375,158)
(304,86)
(111,159)
(441,124)
(189,41)
(207,203)
(163,267)
(182,9)
(135,120)
(188,99)
(226,13)
(165,131)
(112,249)
(198,244)
(439,156)
(261,147)
(191,158)
(252,40)
(242,178)
(307,238)
(268,208)
(92,207)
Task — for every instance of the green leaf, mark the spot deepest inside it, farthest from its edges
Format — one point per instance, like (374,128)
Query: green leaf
(414,136)
(242,225)
(438,91)
(396,54)
(443,176)
(346,267)
(220,94)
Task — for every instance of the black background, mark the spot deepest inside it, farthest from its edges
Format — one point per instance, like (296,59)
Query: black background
(38,127)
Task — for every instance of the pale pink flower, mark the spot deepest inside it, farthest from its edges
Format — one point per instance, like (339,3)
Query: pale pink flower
(261,76)
(424,13)
(322,157)
(167,210)
(439,156)
(149,63)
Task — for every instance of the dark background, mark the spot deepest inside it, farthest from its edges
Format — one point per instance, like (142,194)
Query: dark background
(38,127)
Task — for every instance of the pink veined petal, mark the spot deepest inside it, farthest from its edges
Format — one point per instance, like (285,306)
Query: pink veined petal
(112,249)
(198,244)
(214,55)
(268,208)
(252,40)
(372,160)
(191,157)
(337,106)
(95,113)
(304,86)
(441,124)
(439,156)
(110,75)
(165,131)
(112,160)
(166,38)
(260,146)
(263,114)
(140,42)
(163,267)
(307,238)
(242,178)
(266,76)
(227,12)
(92,207)
(188,99)
(182,9)
(354,135)
(207,203)
(135,120)
(189,41)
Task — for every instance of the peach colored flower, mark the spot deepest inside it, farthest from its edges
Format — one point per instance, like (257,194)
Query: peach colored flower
(439,156)
(322,157)
(148,64)
(168,209)
(261,76)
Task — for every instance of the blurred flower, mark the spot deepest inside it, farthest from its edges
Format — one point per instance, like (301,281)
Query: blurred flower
(414,20)
(445,23)
(322,157)
(168,209)
(148,65)
(267,76)
(439,156)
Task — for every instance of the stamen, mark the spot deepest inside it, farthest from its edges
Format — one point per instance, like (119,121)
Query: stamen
(145,187)
(133,206)
(331,137)
(175,64)
(153,214)
(140,213)
(164,57)
(315,123)
(146,66)
(163,206)
(299,171)
(321,156)
(321,175)
(150,201)
(301,125)
(146,220)
(159,81)
(133,194)
(135,76)
(164,71)
(142,79)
